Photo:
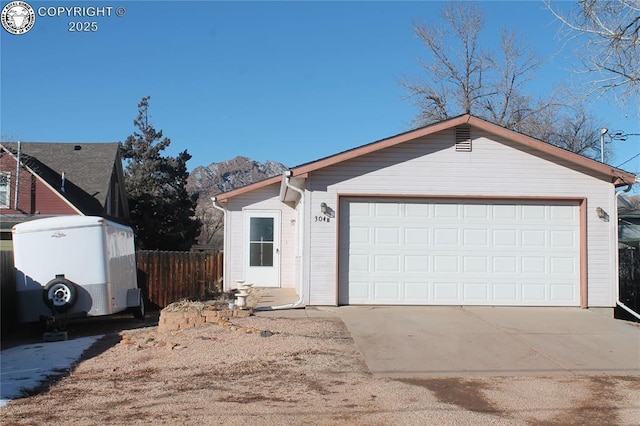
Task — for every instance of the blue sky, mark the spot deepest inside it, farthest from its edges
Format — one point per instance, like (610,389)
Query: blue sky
(286,81)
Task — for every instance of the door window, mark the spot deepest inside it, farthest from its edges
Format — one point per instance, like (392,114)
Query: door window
(261,241)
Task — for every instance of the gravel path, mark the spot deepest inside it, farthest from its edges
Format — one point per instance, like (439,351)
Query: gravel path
(297,371)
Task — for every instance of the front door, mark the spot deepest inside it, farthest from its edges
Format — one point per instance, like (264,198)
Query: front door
(262,259)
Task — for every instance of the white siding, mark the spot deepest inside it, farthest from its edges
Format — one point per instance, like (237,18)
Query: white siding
(266,198)
(431,167)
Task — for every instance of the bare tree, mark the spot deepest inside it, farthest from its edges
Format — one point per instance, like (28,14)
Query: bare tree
(212,225)
(462,78)
(578,132)
(454,82)
(609,42)
(512,67)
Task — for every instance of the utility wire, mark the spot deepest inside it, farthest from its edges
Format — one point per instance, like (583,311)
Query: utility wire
(637,155)
(623,137)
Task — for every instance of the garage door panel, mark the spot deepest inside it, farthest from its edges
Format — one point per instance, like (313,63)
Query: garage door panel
(479,292)
(562,239)
(534,212)
(533,238)
(504,264)
(386,263)
(359,235)
(386,235)
(534,292)
(505,212)
(418,291)
(417,211)
(446,237)
(389,290)
(446,252)
(560,293)
(506,292)
(445,264)
(446,292)
(359,291)
(475,264)
(475,237)
(505,237)
(558,213)
(475,211)
(446,211)
(416,263)
(416,236)
(386,210)
(562,266)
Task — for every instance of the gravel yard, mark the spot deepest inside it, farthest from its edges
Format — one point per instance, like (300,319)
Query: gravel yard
(296,371)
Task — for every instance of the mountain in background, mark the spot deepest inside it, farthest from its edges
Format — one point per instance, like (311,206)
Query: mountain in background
(223,177)
(228,175)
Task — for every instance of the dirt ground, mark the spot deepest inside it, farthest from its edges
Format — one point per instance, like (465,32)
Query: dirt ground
(297,371)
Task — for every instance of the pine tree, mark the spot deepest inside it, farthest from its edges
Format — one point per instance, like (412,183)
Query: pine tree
(162,211)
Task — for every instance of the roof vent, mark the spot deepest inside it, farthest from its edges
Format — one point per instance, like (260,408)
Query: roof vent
(77,148)
(463,139)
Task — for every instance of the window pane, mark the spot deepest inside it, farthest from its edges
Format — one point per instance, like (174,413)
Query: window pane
(261,229)
(261,254)
(4,190)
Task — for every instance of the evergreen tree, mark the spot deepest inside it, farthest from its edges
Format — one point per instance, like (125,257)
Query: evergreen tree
(162,211)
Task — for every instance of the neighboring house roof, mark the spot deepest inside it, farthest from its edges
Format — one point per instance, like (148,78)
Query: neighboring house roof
(617,177)
(628,206)
(88,169)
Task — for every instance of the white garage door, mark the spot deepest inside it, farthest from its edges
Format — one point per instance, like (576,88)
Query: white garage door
(444,252)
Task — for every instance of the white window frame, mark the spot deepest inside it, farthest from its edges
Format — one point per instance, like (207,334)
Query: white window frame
(6,202)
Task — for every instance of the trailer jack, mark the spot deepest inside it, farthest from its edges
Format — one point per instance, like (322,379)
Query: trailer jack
(55,327)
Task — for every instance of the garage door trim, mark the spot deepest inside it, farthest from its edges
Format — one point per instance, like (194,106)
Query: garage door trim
(582,213)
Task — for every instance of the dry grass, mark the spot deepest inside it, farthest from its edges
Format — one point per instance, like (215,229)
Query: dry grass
(309,372)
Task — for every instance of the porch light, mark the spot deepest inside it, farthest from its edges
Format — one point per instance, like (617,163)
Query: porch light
(323,208)
(602,214)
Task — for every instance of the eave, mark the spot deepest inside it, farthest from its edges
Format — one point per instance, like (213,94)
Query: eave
(615,176)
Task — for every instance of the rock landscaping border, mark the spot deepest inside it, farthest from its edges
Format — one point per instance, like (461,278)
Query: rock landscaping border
(173,320)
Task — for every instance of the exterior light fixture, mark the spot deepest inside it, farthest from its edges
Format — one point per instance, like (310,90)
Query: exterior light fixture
(323,208)
(602,214)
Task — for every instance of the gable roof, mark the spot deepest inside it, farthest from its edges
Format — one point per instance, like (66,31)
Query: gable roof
(87,168)
(617,176)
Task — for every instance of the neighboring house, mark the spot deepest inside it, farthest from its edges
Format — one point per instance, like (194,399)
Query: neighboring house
(629,220)
(462,212)
(57,179)
(629,251)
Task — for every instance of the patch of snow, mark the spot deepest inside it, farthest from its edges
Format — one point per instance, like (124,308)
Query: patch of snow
(25,367)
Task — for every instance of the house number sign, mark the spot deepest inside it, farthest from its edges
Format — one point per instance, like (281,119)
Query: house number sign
(322,219)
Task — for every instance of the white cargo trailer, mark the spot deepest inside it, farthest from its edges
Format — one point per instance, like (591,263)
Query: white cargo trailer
(75,266)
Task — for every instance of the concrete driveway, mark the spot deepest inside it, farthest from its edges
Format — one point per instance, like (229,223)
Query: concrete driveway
(492,341)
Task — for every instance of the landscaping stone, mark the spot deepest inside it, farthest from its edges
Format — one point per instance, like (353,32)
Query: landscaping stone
(172,320)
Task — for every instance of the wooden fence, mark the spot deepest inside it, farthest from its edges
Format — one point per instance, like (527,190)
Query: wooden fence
(169,276)
(166,277)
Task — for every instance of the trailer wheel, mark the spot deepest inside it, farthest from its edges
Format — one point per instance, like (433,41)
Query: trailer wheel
(140,311)
(60,294)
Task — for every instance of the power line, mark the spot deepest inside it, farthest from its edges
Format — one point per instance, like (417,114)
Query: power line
(623,137)
(637,155)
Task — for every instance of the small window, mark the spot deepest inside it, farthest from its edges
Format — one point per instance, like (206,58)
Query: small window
(261,241)
(5,190)
(463,139)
